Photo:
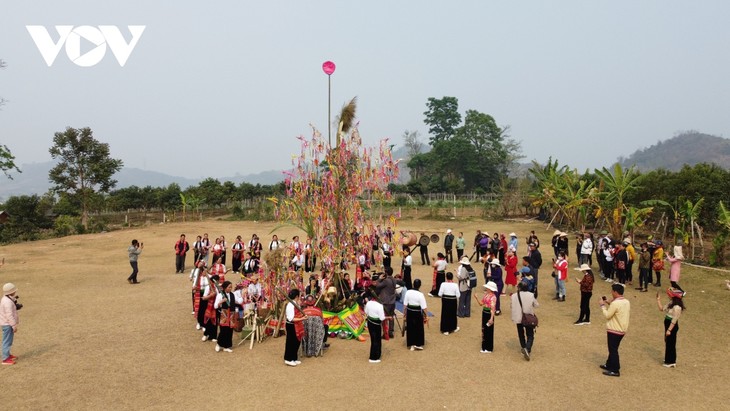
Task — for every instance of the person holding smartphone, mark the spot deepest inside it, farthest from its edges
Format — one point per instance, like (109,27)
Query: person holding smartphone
(617,314)
(134,251)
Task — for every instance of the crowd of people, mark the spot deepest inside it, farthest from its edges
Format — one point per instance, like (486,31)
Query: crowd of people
(218,302)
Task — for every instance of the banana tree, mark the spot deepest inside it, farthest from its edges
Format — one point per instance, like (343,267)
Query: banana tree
(690,212)
(636,218)
(724,216)
(614,185)
(195,203)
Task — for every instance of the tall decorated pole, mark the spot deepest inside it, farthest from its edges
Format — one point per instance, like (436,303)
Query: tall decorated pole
(329,67)
(331,191)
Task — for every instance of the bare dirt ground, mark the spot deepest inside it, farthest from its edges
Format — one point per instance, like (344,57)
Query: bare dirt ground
(89,340)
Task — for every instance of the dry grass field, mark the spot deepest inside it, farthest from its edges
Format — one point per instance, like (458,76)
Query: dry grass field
(90,340)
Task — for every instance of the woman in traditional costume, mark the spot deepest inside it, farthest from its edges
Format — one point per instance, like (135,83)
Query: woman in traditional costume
(226,304)
(416,313)
(210,316)
(196,277)
(449,293)
(439,268)
(489,307)
(294,330)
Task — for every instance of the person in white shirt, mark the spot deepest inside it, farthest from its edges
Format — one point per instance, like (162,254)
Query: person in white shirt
(608,270)
(375,316)
(298,262)
(196,277)
(449,293)
(440,267)
(586,249)
(291,350)
(274,244)
(206,313)
(227,304)
(387,253)
(407,266)
(254,289)
(416,314)
(237,254)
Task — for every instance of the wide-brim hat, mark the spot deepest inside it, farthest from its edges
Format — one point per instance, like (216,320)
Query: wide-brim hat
(448,231)
(563,234)
(583,267)
(9,288)
(495,262)
(491,286)
(465,261)
(557,232)
(512,234)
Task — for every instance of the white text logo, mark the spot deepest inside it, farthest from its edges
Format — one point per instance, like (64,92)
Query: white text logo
(71,36)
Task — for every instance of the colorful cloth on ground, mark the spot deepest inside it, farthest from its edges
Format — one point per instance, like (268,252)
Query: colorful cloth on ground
(350,319)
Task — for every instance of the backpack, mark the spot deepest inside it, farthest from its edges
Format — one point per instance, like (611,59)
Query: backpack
(472,278)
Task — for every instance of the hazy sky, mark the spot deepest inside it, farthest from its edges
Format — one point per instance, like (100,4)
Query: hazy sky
(224,87)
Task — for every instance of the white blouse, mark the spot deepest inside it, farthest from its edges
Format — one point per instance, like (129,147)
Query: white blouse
(415,297)
(449,289)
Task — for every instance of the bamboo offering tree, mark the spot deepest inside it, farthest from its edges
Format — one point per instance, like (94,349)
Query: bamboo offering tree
(330,188)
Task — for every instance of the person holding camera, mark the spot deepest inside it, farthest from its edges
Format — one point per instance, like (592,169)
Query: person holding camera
(134,251)
(9,320)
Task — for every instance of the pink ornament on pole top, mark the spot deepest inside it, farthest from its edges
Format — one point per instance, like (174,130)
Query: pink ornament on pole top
(328,67)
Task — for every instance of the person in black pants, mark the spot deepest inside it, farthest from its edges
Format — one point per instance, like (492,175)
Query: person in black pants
(424,252)
(586,292)
(671,311)
(181,249)
(535,262)
(524,302)
(291,350)
(134,251)
(617,313)
(375,316)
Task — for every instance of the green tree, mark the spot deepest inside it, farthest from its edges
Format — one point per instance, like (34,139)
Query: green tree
(614,187)
(442,118)
(85,167)
(211,191)
(27,218)
(7,161)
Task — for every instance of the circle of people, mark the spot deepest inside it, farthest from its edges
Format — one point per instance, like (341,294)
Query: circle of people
(384,295)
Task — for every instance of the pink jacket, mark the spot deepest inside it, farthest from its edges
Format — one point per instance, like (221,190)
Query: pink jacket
(674,269)
(8,313)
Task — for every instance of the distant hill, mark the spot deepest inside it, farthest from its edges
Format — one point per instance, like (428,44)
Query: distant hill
(34,179)
(687,148)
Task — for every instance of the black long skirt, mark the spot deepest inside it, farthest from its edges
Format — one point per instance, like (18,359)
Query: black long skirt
(375,331)
(414,327)
(448,314)
(487,331)
(407,277)
(225,337)
(440,279)
(291,350)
